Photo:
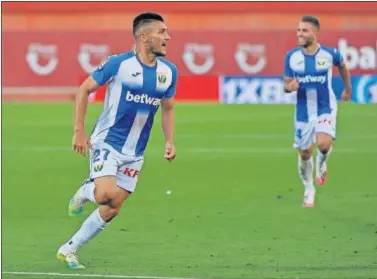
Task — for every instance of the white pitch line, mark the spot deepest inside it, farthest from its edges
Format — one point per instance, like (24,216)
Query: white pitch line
(90,275)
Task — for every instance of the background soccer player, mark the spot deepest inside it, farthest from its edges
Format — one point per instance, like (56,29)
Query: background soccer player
(308,70)
(137,83)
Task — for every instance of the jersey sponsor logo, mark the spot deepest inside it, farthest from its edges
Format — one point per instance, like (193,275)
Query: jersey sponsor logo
(312,79)
(143,99)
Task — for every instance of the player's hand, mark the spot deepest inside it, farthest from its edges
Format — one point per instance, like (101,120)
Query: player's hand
(169,152)
(293,85)
(81,143)
(346,95)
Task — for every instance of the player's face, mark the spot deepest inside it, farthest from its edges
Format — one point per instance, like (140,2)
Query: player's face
(158,38)
(305,34)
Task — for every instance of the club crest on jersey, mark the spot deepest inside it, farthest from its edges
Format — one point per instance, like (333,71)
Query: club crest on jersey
(323,62)
(162,78)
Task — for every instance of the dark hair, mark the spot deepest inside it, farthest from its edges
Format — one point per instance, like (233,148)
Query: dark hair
(145,18)
(312,19)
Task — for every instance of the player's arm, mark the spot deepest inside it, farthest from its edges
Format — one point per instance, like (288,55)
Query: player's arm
(338,61)
(346,76)
(167,115)
(80,141)
(98,78)
(81,104)
(290,83)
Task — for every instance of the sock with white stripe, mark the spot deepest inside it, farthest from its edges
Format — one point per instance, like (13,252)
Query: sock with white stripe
(322,158)
(305,170)
(93,225)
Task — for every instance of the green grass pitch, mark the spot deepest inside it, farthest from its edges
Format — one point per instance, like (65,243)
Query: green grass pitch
(235,208)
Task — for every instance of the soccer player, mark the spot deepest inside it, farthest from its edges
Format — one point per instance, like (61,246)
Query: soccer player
(308,70)
(138,82)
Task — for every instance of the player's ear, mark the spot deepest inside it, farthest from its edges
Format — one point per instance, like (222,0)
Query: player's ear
(141,35)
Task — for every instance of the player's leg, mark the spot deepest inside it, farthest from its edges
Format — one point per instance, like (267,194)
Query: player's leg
(324,148)
(100,188)
(117,180)
(304,139)
(305,169)
(111,198)
(86,191)
(325,133)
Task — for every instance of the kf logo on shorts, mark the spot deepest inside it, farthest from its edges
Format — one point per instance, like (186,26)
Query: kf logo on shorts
(325,121)
(131,172)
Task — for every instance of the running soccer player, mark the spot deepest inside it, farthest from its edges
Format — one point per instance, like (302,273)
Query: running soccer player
(138,82)
(308,70)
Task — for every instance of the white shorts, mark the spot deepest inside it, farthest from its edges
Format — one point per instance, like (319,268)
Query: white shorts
(106,161)
(305,133)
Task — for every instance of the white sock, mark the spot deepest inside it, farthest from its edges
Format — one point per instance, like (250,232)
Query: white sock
(305,170)
(322,158)
(89,229)
(87,190)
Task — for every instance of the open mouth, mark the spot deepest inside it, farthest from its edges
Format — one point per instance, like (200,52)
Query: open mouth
(164,44)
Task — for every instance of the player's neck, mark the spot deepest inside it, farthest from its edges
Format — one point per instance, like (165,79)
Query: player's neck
(312,49)
(148,59)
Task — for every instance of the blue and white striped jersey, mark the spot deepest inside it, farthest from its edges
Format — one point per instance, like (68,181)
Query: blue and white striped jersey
(133,96)
(315,95)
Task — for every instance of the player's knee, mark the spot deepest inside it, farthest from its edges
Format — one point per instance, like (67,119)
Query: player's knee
(324,142)
(324,146)
(101,196)
(306,154)
(113,212)
(109,197)
(105,190)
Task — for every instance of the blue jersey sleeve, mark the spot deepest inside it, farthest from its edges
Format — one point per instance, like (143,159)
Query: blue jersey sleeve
(287,69)
(107,70)
(173,87)
(337,57)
